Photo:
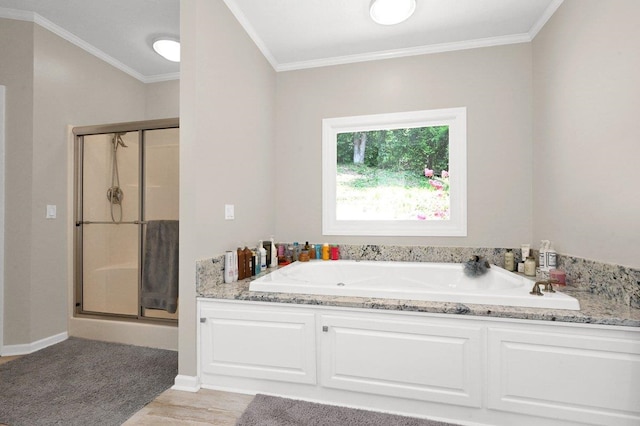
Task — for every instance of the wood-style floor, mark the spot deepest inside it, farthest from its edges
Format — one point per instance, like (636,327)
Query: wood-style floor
(205,407)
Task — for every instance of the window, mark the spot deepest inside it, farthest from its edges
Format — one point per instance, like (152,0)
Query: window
(400,174)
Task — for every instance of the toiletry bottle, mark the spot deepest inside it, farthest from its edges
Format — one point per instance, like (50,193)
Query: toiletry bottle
(267,247)
(296,251)
(248,257)
(509,261)
(530,267)
(551,258)
(254,264)
(258,260)
(542,256)
(263,256)
(312,251)
(325,251)
(335,253)
(228,268)
(241,273)
(234,266)
(282,250)
(274,254)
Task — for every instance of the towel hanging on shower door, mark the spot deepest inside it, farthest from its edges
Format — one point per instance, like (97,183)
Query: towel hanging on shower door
(160,266)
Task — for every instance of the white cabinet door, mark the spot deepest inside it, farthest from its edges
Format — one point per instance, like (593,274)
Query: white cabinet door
(591,378)
(417,359)
(257,343)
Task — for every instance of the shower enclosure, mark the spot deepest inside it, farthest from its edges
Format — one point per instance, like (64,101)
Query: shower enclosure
(126,220)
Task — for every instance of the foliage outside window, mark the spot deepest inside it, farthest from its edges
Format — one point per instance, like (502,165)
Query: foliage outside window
(395,174)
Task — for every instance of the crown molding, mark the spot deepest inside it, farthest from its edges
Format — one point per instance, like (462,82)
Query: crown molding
(21,15)
(548,13)
(162,77)
(253,35)
(399,53)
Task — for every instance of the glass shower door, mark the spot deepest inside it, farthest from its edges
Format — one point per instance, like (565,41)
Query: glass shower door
(161,193)
(110,223)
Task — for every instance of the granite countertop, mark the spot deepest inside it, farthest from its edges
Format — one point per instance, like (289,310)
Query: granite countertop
(594,308)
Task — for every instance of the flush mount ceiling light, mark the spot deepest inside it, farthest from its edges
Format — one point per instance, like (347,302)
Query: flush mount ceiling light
(168,49)
(391,12)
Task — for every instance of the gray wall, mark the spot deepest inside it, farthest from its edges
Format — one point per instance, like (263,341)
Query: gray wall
(227,97)
(51,84)
(16,73)
(586,81)
(493,83)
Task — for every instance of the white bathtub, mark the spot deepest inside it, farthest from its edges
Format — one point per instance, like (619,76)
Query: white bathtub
(436,282)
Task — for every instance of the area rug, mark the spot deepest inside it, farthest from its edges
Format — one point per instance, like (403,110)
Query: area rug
(83,382)
(273,411)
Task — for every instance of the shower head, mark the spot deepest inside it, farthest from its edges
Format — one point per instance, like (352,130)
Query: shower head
(117,140)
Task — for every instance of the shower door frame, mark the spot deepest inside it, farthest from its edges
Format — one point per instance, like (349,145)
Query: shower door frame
(79,133)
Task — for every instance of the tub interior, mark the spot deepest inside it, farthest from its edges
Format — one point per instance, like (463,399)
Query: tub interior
(437,282)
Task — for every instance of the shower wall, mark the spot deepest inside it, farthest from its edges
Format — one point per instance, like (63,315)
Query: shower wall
(111,251)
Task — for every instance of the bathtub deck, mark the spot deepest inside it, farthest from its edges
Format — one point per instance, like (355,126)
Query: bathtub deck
(594,308)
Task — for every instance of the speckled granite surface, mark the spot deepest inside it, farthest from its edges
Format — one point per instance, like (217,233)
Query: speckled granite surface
(608,294)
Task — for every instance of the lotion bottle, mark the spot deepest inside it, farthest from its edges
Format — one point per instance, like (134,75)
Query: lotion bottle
(263,256)
(228,267)
(234,266)
(530,267)
(274,254)
(509,261)
(543,255)
(551,258)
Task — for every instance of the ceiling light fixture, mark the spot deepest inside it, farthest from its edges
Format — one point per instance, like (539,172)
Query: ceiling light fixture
(168,49)
(391,12)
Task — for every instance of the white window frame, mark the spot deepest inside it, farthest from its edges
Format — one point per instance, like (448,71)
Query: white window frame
(456,226)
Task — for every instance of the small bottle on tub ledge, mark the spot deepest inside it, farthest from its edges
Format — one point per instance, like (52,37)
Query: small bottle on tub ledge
(530,266)
(325,251)
(335,252)
(509,261)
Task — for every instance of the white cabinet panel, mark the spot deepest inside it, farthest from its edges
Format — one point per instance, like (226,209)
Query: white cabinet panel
(407,359)
(591,379)
(264,344)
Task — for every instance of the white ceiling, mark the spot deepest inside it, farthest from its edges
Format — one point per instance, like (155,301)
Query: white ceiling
(292,34)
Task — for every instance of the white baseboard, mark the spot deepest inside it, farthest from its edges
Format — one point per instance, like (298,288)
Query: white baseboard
(27,348)
(186,383)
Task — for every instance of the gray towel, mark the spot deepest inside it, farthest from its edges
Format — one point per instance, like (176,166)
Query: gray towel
(160,266)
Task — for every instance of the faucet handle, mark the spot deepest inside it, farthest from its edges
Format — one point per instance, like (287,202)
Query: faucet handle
(536,289)
(548,286)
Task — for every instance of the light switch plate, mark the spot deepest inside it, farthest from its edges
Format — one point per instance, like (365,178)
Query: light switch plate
(51,211)
(229,213)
